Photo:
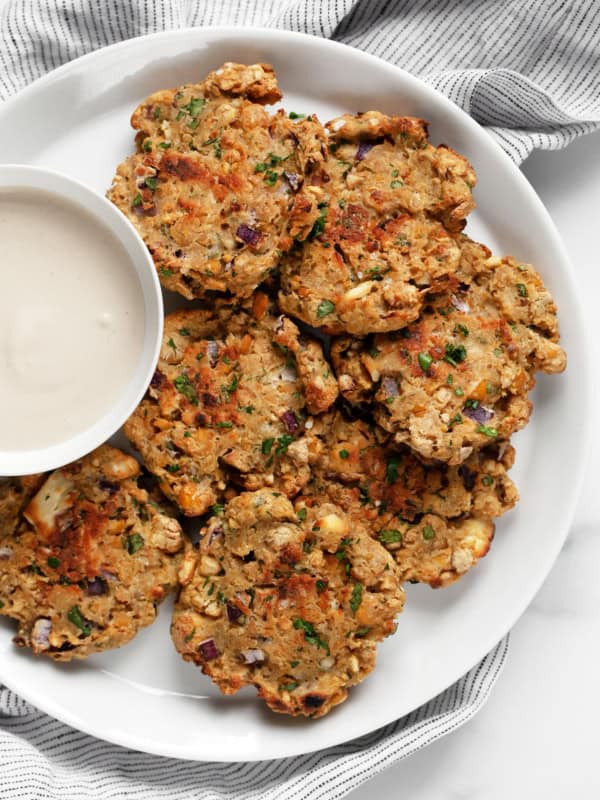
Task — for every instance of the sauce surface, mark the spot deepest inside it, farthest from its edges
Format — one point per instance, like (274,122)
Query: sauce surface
(71,319)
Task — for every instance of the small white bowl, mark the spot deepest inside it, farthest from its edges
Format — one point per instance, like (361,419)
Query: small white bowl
(107,217)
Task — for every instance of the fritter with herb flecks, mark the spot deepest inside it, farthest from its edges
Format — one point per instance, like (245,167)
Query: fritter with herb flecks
(90,560)
(216,189)
(292,603)
(231,401)
(388,202)
(458,378)
(436,520)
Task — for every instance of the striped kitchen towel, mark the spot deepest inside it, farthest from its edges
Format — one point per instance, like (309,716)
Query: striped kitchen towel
(528,72)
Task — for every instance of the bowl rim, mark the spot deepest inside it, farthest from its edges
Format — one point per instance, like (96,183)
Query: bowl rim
(106,216)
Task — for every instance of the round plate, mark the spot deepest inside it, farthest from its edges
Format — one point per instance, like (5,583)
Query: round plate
(144,696)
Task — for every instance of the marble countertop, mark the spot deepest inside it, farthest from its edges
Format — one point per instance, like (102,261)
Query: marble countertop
(536,736)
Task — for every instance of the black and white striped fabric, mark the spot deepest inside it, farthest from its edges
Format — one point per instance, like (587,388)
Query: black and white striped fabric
(527,71)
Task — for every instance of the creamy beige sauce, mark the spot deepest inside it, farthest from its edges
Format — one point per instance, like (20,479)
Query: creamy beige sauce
(71,319)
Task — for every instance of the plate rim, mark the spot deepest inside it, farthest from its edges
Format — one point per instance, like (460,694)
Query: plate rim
(586,385)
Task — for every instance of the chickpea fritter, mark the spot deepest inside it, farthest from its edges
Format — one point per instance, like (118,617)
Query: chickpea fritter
(292,602)
(231,401)
(458,378)
(435,519)
(388,202)
(90,560)
(216,189)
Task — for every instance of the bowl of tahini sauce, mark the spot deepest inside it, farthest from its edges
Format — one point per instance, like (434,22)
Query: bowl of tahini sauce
(81,319)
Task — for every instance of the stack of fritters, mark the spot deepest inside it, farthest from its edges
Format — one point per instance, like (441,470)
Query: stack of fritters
(333,414)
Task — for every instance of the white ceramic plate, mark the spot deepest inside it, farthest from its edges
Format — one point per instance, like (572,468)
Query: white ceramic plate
(143,696)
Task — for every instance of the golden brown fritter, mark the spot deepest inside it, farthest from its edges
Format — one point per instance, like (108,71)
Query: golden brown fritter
(90,561)
(459,377)
(388,200)
(15,493)
(216,190)
(231,399)
(436,520)
(292,603)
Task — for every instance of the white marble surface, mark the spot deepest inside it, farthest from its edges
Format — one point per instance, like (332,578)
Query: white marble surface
(537,735)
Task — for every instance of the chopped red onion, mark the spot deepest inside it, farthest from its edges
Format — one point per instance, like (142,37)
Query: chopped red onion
(208,649)
(109,486)
(480,414)
(459,304)
(214,534)
(157,379)
(213,352)
(233,613)
(40,633)
(145,212)
(363,149)
(390,386)
(97,587)
(293,179)
(253,656)
(289,420)
(108,576)
(288,374)
(5,552)
(248,235)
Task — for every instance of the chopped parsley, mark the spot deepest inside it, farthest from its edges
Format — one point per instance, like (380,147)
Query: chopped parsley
(294,115)
(217,509)
(165,272)
(462,329)
(289,687)
(267,445)
(396,184)
(425,361)
(283,443)
(455,354)
(54,562)
(172,468)
(324,308)
(151,183)
(310,634)
(428,532)
(458,391)
(319,226)
(165,145)
(133,543)
(225,424)
(522,289)
(389,536)
(356,598)
(344,454)
(391,469)
(321,586)
(137,200)
(301,514)
(185,387)
(487,480)
(232,386)
(147,146)
(171,344)
(194,107)
(487,431)
(76,617)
